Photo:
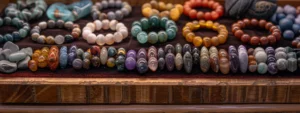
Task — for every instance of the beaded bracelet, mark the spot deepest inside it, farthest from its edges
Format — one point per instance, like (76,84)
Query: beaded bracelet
(193,14)
(167,10)
(254,40)
(138,30)
(207,41)
(26,9)
(58,39)
(109,39)
(296,42)
(16,35)
(124,10)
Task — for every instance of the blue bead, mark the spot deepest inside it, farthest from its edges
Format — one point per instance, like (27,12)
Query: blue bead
(296,28)
(280,16)
(286,24)
(279,9)
(288,34)
(274,19)
(16,36)
(292,17)
(64,49)
(8,37)
(288,9)
(63,60)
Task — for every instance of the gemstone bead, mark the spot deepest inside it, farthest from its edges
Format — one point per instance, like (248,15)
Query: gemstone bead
(130,63)
(142,37)
(169,59)
(178,61)
(188,62)
(111,62)
(142,65)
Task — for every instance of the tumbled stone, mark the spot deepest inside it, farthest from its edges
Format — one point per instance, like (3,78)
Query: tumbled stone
(24,63)
(13,47)
(292,64)
(7,67)
(27,51)
(5,53)
(16,57)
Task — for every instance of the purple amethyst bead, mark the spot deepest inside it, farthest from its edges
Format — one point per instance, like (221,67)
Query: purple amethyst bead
(170,61)
(142,53)
(131,53)
(130,63)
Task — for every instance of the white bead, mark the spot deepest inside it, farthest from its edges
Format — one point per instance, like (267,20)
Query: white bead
(91,25)
(105,24)
(118,37)
(124,33)
(119,25)
(113,24)
(109,39)
(123,27)
(100,40)
(91,39)
(98,24)
(86,33)
(87,28)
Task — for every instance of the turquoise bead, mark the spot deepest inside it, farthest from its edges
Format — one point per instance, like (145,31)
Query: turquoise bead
(162,36)
(8,37)
(112,51)
(7,21)
(1,21)
(152,37)
(142,37)
(15,22)
(163,22)
(1,39)
(170,23)
(145,23)
(136,23)
(16,36)
(171,34)
(23,33)
(174,27)
(135,30)
(154,21)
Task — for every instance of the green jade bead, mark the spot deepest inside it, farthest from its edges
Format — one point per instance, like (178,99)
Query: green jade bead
(136,23)
(171,34)
(23,33)
(162,36)
(174,27)
(145,23)
(170,23)
(142,37)
(152,37)
(163,22)
(154,21)
(135,30)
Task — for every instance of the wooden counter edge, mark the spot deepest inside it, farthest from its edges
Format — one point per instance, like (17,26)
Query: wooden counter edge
(152,81)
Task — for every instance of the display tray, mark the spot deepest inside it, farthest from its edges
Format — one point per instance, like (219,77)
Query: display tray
(131,43)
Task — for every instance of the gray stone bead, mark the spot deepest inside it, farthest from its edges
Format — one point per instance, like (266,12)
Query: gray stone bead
(98,5)
(7,67)
(261,56)
(292,64)
(119,15)
(292,55)
(104,4)
(5,53)
(34,31)
(7,20)
(69,25)
(11,46)
(188,62)
(118,4)
(243,57)
(51,24)
(43,25)
(41,39)
(59,39)
(37,27)
(280,49)
(60,23)
(111,3)
(282,64)
(125,11)
(77,63)
(95,15)
(280,54)
(111,15)
(24,63)
(161,53)
(161,63)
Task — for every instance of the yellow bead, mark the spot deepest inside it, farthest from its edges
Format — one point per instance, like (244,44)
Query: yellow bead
(162,6)
(197,41)
(179,7)
(35,56)
(209,24)
(190,37)
(164,14)
(154,4)
(174,14)
(184,33)
(202,24)
(190,25)
(32,65)
(155,12)
(169,6)
(206,41)
(196,25)
(146,5)
(215,41)
(42,61)
(110,62)
(147,12)
(222,39)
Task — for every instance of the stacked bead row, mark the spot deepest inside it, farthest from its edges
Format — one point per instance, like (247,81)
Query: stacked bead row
(139,27)
(188,29)
(58,39)
(109,39)
(23,31)
(167,10)
(45,58)
(124,10)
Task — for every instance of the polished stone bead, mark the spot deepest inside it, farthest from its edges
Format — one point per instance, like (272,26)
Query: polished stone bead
(280,49)
(32,65)
(152,52)
(186,48)
(224,65)
(243,57)
(63,60)
(270,50)
(152,37)
(171,34)
(111,62)
(77,63)
(161,53)
(162,36)
(142,53)
(79,53)
(280,54)
(282,64)
(86,64)
(7,20)
(169,48)
(142,65)
(178,61)
(261,56)
(8,38)
(188,62)
(23,33)
(111,15)
(131,53)
(142,37)
(178,48)
(69,25)
(112,51)
(130,63)
(120,62)
(204,63)
(7,67)
(154,21)
(196,58)
(73,49)
(51,24)
(43,25)
(289,49)
(68,38)
(59,39)
(96,61)
(271,58)
(272,68)
(292,64)
(1,39)
(161,63)
(252,66)
(103,56)
(153,64)
(71,56)
(16,36)
(136,23)
(144,23)
(135,30)
(292,55)
(121,51)
(163,22)
(234,60)
(17,56)
(170,61)
(262,68)
(60,23)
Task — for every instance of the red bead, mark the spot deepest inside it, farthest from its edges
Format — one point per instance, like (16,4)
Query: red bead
(193,14)
(254,22)
(186,10)
(264,40)
(245,38)
(277,35)
(247,22)
(200,15)
(262,23)
(268,25)
(198,3)
(207,16)
(238,33)
(234,29)
(272,39)
(241,23)
(210,3)
(295,43)
(214,15)
(298,45)
(254,41)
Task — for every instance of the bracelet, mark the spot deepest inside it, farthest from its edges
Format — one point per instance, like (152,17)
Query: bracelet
(109,39)
(26,9)
(139,27)
(58,39)
(254,40)
(167,10)
(16,35)
(217,8)
(207,41)
(124,10)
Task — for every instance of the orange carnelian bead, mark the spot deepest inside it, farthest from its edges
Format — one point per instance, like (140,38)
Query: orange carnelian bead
(254,40)
(179,7)
(215,41)
(42,61)
(202,24)
(200,15)
(184,33)
(222,38)
(207,16)
(146,5)
(206,41)
(190,37)
(174,14)
(190,25)
(186,10)
(193,14)
(35,56)
(32,65)
(214,15)
(197,41)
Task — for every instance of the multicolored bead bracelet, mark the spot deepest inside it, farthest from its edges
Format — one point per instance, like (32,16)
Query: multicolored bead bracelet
(221,38)
(16,35)
(58,39)
(109,39)
(154,22)
(217,8)
(254,40)
(124,10)
(167,10)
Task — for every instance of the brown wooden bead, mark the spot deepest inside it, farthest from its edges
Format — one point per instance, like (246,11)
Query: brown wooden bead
(268,25)
(251,58)
(295,43)
(254,40)
(273,28)
(247,22)
(254,22)
(262,23)
(277,35)
(272,39)
(200,15)
(245,38)
(241,23)
(264,40)
(298,45)
(238,33)
(277,30)
(215,41)
(234,29)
